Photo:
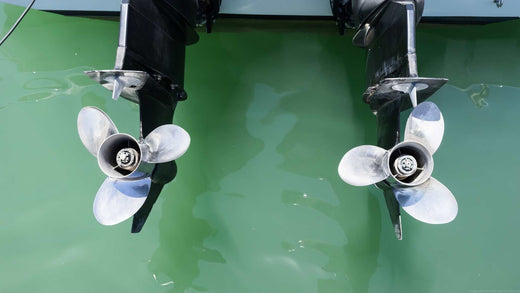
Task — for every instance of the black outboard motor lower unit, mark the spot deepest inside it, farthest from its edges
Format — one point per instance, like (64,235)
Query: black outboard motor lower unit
(149,71)
(386,28)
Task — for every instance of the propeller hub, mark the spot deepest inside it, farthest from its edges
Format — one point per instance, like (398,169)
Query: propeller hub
(410,164)
(119,156)
(405,166)
(127,159)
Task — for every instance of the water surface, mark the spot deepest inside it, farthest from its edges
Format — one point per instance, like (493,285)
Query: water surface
(257,205)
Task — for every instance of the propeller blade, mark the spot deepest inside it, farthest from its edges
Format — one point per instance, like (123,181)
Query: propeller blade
(430,202)
(426,126)
(413,95)
(165,143)
(118,200)
(362,166)
(118,88)
(94,126)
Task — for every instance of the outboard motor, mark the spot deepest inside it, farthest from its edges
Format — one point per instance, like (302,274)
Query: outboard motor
(386,28)
(149,71)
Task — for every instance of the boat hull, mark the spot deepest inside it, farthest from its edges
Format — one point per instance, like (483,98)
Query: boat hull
(433,9)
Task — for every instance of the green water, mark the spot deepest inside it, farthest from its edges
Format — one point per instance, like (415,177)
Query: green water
(257,205)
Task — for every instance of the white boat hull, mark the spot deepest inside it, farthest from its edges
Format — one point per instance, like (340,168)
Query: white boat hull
(433,8)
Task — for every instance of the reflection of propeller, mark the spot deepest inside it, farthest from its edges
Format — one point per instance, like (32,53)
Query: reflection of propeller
(127,162)
(407,167)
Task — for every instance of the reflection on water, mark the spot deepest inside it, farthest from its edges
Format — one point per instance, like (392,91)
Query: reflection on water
(470,55)
(35,86)
(350,264)
(254,239)
(478,93)
(271,221)
(479,96)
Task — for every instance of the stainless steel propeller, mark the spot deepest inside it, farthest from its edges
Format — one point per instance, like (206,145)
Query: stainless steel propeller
(407,167)
(127,162)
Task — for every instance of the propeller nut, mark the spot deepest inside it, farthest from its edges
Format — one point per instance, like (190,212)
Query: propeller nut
(410,164)
(405,166)
(127,159)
